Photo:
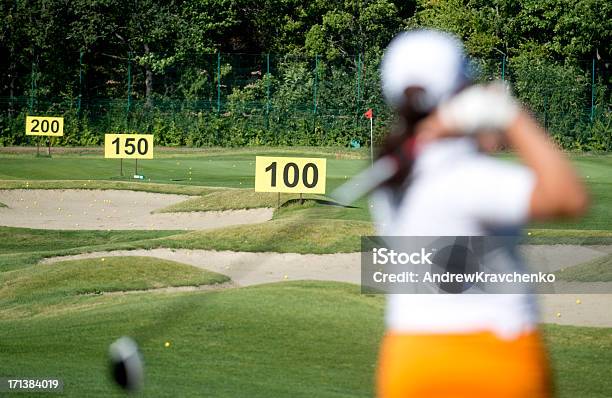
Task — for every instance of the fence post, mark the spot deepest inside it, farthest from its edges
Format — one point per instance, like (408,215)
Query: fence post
(316,80)
(314,99)
(129,92)
(31,104)
(503,68)
(218,81)
(267,90)
(32,89)
(546,111)
(593,91)
(358,101)
(80,83)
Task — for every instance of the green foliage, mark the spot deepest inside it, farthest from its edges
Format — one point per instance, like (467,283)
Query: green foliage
(313,74)
(555,92)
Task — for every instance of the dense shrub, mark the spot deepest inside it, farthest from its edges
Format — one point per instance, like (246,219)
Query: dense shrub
(302,101)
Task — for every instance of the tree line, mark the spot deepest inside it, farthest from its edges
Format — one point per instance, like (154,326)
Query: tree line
(146,58)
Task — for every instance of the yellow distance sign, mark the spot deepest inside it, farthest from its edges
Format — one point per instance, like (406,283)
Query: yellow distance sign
(292,175)
(128,146)
(44,125)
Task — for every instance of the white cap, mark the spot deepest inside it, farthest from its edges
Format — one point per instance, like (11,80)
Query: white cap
(430,59)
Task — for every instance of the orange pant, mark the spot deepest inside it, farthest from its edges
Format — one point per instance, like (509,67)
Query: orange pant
(457,366)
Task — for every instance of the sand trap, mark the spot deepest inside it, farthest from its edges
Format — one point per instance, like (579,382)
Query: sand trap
(555,257)
(111,209)
(247,269)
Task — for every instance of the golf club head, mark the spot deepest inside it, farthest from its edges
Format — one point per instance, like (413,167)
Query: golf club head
(126,364)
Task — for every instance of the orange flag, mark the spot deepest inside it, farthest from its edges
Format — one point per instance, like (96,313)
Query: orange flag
(369,114)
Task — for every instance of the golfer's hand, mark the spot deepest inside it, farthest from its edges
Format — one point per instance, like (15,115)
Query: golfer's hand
(480,107)
(476,109)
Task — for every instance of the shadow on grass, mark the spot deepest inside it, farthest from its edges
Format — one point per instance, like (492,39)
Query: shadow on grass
(323,202)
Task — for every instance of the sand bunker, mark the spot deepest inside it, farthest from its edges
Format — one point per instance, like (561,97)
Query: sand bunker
(247,269)
(111,209)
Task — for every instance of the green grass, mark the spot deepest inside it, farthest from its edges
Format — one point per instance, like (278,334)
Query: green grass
(23,247)
(597,270)
(317,227)
(296,228)
(103,184)
(173,152)
(281,340)
(231,168)
(580,360)
(568,237)
(596,171)
(283,236)
(298,339)
(234,168)
(310,227)
(25,240)
(43,283)
(3,205)
(230,199)
(288,339)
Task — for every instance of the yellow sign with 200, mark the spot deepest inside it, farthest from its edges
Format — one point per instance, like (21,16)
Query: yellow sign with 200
(128,146)
(44,125)
(291,175)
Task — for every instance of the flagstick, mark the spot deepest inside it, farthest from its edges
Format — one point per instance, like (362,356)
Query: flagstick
(372,139)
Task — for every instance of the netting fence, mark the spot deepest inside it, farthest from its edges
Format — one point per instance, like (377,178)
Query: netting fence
(266,99)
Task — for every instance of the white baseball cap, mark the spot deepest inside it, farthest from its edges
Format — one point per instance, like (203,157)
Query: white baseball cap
(430,59)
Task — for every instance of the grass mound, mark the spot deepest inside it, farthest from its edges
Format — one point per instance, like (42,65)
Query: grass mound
(597,270)
(24,247)
(75,277)
(282,236)
(229,200)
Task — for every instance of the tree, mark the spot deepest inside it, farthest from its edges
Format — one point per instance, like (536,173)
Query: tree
(354,27)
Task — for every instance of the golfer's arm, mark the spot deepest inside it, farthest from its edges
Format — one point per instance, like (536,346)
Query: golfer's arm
(558,191)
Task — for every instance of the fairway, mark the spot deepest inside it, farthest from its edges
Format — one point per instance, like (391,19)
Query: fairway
(227,168)
(235,169)
(298,339)
(237,303)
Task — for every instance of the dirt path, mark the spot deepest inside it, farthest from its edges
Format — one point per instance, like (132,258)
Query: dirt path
(247,269)
(111,209)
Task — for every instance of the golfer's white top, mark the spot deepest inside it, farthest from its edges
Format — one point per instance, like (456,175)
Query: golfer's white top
(457,191)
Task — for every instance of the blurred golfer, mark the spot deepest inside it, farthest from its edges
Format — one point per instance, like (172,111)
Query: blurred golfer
(448,345)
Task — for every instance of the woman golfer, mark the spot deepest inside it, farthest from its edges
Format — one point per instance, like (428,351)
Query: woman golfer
(478,345)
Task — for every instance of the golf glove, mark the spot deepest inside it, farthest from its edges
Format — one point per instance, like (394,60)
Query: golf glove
(480,107)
